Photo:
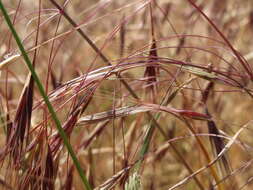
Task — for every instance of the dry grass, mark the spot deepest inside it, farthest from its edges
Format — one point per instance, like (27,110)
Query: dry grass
(151,94)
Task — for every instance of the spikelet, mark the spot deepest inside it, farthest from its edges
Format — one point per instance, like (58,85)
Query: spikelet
(134,182)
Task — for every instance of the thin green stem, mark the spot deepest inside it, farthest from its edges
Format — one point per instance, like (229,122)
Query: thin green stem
(46,99)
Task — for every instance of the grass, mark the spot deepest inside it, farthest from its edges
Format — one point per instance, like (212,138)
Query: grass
(126,95)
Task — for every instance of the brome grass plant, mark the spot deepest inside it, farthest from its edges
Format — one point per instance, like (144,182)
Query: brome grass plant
(134,95)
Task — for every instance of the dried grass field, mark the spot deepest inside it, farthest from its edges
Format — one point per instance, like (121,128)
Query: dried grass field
(133,95)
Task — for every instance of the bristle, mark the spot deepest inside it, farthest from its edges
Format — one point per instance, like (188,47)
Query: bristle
(207,92)
(49,174)
(180,45)
(54,80)
(122,38)
(69,179)
(21,124)
(68,126)
(152,70)
(111,182)
(218,143)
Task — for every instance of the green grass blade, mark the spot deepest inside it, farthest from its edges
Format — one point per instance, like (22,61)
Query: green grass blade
(44,95)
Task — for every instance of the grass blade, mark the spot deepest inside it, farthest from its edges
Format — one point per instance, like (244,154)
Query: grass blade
(43,94)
